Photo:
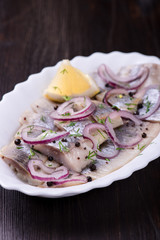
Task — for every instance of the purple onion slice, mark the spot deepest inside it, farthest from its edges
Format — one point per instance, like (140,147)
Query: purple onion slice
(39,135)
(111,153)
(115,91)
(105,72)
(68,107)
(128,83)
(73,180)
(75,117)
(44,173)
(111,132)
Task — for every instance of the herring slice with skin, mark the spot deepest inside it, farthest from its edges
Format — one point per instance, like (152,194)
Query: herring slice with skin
(46,173)
(109,128)
(89,133)
(33,134)
(66,153)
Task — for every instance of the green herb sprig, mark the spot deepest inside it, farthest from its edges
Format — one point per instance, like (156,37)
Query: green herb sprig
(76,134)
(64,71)
(91,155)
(61,146)
(66,98)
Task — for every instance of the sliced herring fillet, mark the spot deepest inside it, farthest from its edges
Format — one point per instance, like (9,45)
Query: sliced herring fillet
(43,105)
(155,117)
(17,157)
(73,127)
(126,155)
(66,153)
(41,119)
(102,110)
(101,95)
(153,77)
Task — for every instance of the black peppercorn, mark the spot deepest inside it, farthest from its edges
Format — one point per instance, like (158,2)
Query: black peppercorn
(136,113)
(17,141)
(49,184)
(140,105)
(64,140)
(144,135)
(55,108)
(89,179)
(77,144)
(50,158)
(131,94)
(92,167)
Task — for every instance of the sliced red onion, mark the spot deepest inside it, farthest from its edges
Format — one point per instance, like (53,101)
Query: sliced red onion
(115,91)
(104,70)
(68,107)
(155,106)
(46,173)
(88,135)
(39,135)
(74,117)
(75,180)
(128,83)
(109,128)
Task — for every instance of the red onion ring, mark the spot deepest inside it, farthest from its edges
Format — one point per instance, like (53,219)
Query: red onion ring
(48,174)
(138,78)
(111,132)
(86,134)
(114,91)
(152,109)
(117,78)
(66,107)
(45,135)
(80,179)
(76,117)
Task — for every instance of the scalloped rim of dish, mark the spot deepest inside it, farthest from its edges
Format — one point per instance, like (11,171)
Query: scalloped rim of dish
(8,179)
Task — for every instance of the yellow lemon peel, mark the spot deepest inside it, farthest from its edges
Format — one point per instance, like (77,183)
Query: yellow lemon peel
(70,82)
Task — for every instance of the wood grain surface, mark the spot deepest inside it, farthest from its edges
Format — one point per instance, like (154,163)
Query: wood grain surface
(38,33)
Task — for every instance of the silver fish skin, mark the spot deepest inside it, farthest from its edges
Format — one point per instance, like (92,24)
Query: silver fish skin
(102,110)
(17,157)
(66,153)
(155,117)
(31,118)
(74,127)
(43,106)
(149,100)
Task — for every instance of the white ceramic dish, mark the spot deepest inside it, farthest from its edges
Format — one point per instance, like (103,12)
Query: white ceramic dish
(17,101)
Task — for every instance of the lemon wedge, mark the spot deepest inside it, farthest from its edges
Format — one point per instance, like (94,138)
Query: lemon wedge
(70,82)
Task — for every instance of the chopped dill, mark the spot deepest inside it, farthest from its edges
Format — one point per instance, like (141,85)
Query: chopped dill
(19,147)
(101,106)
(102,121)
(141,148)
(43,118)
(109,119)
(64,71)
(91,155)
(61,146)
(66,114)
(76,134)
(101,133)
(72,124)
(66,98)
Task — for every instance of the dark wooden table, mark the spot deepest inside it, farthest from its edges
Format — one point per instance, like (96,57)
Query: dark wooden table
(35,34)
